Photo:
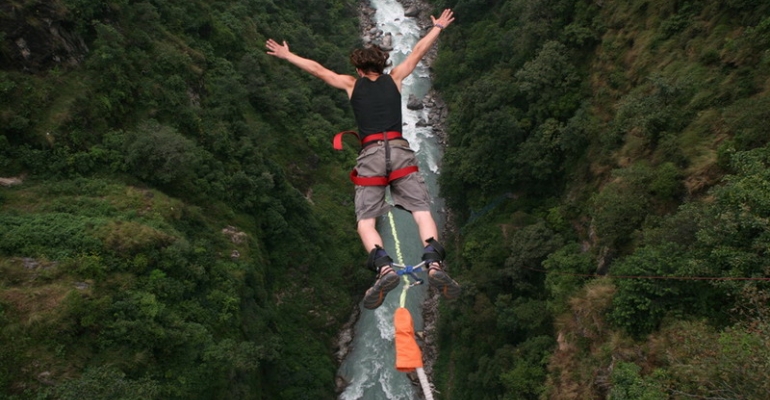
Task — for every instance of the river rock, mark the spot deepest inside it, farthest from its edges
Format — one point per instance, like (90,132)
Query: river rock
(414,103)
(367,11)
(412,12)
(386,43)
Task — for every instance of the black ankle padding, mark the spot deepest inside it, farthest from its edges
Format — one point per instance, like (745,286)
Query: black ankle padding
(383,261)
(377,260)
(434,251)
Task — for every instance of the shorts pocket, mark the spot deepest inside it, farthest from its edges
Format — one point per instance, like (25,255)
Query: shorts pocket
(371,162)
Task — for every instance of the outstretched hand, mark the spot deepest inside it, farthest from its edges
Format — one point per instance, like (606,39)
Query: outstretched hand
(278,50)
(446,18)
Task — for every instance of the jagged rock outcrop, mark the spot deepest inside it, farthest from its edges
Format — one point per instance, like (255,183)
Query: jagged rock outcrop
(38,36)
(10,181)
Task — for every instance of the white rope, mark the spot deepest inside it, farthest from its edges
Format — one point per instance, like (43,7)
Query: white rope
(424,384)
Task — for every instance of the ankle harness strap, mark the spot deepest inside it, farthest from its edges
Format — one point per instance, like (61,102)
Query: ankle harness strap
(434,251)
(378,260)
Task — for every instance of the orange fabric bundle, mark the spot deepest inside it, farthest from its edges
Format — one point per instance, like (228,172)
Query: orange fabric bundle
(408,355)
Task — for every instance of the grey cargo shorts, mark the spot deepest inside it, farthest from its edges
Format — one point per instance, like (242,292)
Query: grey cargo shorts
(408,192)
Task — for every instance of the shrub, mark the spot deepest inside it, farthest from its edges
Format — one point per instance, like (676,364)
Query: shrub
(129,238)
(618,210)
(703,362)
(748,120)
(627,384)
(161,155)
(105,382)
(666,185)
(529,247)
(525,380)
(644,297)
(55,235)
(563,280)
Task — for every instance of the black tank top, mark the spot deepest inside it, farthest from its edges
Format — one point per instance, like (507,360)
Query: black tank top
(377,105)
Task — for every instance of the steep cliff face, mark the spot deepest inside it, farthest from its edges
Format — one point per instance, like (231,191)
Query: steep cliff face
(38,36)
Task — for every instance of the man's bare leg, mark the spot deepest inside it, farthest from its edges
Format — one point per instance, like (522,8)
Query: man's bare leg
(367,230)
(426,225)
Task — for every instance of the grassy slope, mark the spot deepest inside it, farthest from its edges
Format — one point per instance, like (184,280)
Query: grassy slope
(77,252)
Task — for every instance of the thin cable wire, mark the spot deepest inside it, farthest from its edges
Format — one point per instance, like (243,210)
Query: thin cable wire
(681,278)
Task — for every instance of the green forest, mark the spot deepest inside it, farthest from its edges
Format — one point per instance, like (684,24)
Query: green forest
(174,223)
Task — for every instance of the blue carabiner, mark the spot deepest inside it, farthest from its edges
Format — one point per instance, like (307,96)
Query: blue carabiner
(410,270)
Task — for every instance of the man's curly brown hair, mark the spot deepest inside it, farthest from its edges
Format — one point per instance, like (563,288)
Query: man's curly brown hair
(370,59)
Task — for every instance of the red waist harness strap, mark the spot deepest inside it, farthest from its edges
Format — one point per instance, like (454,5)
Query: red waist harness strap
(390,135)
(375,180)
(381,180)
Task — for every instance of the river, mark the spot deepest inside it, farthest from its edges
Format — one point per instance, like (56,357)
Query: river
(369,367)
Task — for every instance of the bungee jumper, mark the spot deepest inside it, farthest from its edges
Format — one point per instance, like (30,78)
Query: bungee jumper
(385,159)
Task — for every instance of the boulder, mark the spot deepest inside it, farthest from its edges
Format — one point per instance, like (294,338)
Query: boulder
(414,103)
(412,12)
(387,42)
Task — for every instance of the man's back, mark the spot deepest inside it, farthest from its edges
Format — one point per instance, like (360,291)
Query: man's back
(376,105)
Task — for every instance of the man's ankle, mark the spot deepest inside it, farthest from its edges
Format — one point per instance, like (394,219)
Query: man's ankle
(378,258)
(433,252)
(384,270)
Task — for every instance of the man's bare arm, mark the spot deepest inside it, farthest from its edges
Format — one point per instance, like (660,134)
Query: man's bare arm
(344,82)
(401,71)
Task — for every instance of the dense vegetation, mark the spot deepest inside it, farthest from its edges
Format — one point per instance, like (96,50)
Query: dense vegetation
(184,228)
(607,165)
